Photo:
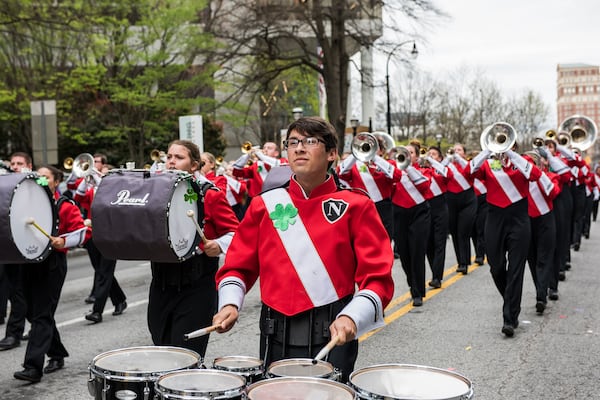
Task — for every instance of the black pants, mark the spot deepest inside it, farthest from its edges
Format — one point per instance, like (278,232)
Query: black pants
(578,193)
(411,225)
(438,234)
(4,289)
(477,233)
(595,209)
(183,298)
(105,283)
(384,209)
(563,204)
(303,336)
(18,306)
(541,252)
(462,208)
(507,234)
(42,284)
(587,216)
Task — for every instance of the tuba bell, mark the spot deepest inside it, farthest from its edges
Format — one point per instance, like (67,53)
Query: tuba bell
(385,141)
(364,147)
(498,137)
(581,131)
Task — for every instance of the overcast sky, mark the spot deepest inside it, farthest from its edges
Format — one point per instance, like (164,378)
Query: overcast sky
(517,43)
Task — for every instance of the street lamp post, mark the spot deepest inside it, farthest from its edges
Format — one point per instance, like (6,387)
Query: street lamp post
(414,53)
(438,137)
(354,125)
(298,113)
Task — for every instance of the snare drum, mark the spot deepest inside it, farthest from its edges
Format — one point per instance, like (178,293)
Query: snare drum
(130,373)
(294,388)
(200,383)
(22,198)
(302,367)
(250,368)
(138,215)
(408,382)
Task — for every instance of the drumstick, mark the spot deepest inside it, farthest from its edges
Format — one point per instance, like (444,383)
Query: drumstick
(325,350)
(200,332)
(190,213)
(31,221)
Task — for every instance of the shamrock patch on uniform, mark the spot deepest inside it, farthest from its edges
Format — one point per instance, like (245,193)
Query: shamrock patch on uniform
(334,209)
(283,217)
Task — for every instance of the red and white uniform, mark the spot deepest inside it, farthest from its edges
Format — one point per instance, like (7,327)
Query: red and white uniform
(311,251)
(256,173)
(70,226)
(540,201)
(458,180)
(410,192)
(506,184)
(438,177)
(236,191)
(368,177)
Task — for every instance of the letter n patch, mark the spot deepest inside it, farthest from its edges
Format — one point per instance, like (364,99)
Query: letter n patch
(334,209)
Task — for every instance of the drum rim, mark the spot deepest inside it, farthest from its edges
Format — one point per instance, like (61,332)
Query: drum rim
(389,366)
(137,376)
(256,368)
(305,361)
(305,379)
(237,391)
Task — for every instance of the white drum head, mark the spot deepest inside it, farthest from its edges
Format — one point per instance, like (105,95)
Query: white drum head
(409,382)
(300,367)
(238,364)
(295,388)
(30,200)
(182,229)
(144,361)
(204,383)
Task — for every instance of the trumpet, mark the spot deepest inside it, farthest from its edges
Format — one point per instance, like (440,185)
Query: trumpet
(247,147)
(68,163)
(538,142)
(402,156)
(158,155)
(83,167)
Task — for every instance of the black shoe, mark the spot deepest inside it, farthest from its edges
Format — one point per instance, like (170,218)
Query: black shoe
(29,374)
(586,235)
(540,306)
(576,246)
(462,269)
(508,330)
(90,299)
(417,302)
(562,276)
(567,266)
(94,316)
(396,256)
(435,283)
(54,364)
(25,336)
(479,261)
(119,308)
(9,342)
(553,294)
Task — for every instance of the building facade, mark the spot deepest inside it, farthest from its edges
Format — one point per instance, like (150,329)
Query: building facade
(578,91)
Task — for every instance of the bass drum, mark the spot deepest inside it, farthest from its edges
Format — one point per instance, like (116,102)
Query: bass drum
(200,384)
(409,382)
(131,373)
(138,215)
(22,199)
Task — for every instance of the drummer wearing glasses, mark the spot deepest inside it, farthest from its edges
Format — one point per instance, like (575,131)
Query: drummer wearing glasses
(310,242)
(183,296)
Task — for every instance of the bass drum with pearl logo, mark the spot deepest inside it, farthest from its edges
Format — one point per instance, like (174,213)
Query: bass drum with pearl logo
(142,215)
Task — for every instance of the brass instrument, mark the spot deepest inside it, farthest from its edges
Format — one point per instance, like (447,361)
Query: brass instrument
(580,130)
(158,155)
(535,156)
(68,163)
(564,139)
(83,167)
(385,141)
(498,137)
(537,142)
(402,156)
(450,152)
(364,146)
(247,147)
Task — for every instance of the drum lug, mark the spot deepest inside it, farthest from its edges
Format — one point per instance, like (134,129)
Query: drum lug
(105,391)
(146,393)
(92,386)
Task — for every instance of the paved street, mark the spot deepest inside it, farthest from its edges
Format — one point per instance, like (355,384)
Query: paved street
(554,356)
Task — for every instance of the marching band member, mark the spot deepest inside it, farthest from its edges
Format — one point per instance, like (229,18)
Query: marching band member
(596,192)
(477,233)
(310,244)
(507,228)
(543,227)
(236,192)
(412,222)
(15,325)
(438,208)
(256,173)
(183,296)
(374,177)
(105,282)
(462,207)
(43,282)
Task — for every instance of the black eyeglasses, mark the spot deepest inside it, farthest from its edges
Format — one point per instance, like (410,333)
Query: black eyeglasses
(306,142)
